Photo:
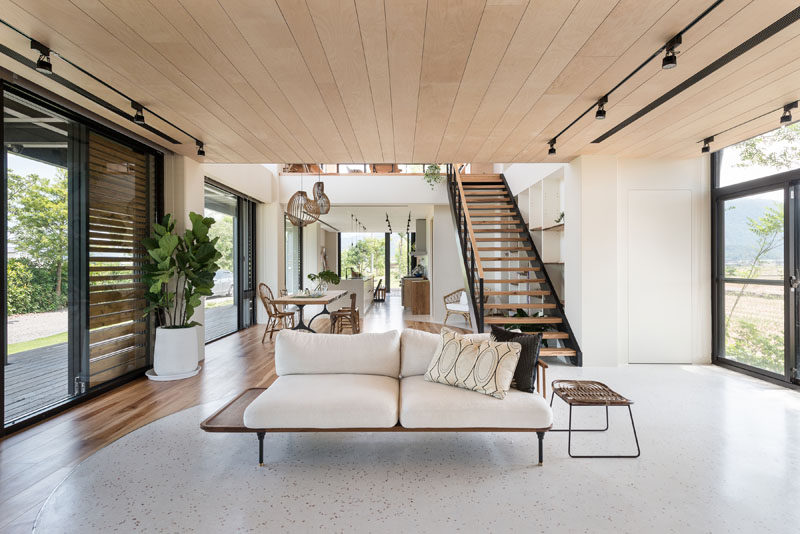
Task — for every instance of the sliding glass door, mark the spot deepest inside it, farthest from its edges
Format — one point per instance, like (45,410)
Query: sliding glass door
(231,307)
(78,200)
(39,149)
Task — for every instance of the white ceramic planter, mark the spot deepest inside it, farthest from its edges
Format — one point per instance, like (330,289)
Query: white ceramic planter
(175,354)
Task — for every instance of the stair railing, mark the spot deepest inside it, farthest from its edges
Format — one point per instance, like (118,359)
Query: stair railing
(466,238)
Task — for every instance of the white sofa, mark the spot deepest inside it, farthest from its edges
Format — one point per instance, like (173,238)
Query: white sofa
(374,382)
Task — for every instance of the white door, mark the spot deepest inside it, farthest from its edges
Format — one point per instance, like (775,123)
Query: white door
(659,276)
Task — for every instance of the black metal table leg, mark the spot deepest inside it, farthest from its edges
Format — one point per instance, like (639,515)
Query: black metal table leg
(323,312)
(260,436)
(300,324)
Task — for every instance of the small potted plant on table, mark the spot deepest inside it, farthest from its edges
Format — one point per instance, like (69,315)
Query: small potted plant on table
(180,273)
(323,279)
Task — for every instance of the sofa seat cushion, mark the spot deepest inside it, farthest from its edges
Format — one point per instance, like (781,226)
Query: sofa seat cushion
(326,401)
(426,404)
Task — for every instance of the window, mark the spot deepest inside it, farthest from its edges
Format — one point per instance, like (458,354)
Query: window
(756,254)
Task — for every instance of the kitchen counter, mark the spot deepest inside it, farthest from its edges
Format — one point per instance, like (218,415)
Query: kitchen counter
(364,288)
(416,294)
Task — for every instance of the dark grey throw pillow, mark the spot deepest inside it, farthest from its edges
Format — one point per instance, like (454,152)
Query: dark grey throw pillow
(525,373)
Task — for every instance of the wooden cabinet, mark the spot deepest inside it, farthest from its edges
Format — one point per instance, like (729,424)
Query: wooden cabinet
(417,295)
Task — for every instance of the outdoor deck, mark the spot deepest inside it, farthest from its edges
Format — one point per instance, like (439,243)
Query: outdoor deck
(35,379)
(38,378)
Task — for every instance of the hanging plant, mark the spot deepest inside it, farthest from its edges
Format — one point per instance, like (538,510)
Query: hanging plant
(433,175)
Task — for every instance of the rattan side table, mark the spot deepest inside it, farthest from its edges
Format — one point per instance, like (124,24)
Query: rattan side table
(590,393)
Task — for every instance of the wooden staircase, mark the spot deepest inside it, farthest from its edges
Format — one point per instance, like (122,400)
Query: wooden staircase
(502,267)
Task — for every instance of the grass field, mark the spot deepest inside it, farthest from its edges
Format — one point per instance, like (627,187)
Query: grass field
(37,343)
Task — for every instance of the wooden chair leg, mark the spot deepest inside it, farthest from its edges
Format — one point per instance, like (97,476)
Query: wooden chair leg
(274,323)
(446,316)
(265,331)
(469,319)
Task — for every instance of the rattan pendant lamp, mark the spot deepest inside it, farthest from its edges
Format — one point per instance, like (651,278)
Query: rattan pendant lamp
(322,200)
(300,209)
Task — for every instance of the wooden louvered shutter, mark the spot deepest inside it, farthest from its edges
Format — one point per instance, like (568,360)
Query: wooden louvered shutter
(119,204)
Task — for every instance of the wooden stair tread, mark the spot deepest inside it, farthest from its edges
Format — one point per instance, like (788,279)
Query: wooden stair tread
(496,223)
(480,179)
(511,269)
(514,281)
(522,320)
(504,248)
(486,192)
(487,206)
(493,214)
(488,198)
(528,305)
(532,293)
(508,258)
(501,239)
(499,230)
(468,187)
(556,351)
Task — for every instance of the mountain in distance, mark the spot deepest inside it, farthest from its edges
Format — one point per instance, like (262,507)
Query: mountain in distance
(741,244)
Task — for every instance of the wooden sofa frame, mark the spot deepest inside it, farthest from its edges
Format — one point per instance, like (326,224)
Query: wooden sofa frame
(230,418)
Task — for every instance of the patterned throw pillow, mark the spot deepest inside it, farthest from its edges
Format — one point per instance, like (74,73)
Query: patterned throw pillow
(486,367)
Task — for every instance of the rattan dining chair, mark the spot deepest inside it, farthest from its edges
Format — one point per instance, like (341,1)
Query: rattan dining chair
(346,317)
(277,319)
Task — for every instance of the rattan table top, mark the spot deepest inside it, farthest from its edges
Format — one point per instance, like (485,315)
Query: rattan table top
(588,393)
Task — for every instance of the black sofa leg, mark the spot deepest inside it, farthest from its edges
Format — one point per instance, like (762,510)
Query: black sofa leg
(541,451)
(260,448)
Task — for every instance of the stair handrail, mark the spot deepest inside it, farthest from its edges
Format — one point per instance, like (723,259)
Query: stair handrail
(468,219)
(467,241)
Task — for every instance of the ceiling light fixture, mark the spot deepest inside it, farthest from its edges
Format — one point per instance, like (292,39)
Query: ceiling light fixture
(600,114)
(786,117)
(138,117)
(670,60)
(552,150)
(43,64)
(201,151)
(706,145)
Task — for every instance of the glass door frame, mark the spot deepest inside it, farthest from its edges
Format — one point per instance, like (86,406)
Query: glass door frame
(245,286)
(789,181)
(77,266)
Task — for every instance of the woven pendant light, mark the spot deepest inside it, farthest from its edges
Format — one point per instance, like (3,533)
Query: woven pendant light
(322,200)
(300,209)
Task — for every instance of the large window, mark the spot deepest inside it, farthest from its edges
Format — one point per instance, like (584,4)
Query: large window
(756,252)
(78,201)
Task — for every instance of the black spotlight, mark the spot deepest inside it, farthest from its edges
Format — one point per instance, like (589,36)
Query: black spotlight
(138,117)
(706,148)
(786,118)
(600,114)
(43,64)
(200,150)
(552,150)
(670,60)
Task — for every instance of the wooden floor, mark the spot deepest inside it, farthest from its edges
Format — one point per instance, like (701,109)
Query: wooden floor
(33,461)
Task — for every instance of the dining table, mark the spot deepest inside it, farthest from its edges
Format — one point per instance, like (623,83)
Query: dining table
(301,301)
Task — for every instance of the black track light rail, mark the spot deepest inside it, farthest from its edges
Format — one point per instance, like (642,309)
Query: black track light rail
(676,38)
(75,88)
(710,138)
(777,26)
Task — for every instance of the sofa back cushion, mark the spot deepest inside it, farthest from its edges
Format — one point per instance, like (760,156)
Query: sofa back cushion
(303,353)
(417,349)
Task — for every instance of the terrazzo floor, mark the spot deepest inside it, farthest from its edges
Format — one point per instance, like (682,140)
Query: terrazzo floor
(720,453)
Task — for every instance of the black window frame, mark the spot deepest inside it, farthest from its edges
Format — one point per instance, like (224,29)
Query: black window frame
(789,182)
(85,121)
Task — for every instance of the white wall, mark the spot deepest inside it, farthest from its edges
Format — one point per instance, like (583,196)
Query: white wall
(597,193)
(367,189)
(254,181)
(521,176)
(689,177)
(445,261)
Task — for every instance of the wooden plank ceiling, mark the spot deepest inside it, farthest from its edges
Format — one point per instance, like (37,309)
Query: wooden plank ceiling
(413,80)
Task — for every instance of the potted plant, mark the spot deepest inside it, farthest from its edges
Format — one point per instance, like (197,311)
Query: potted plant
(433,175)
(180,273)
(322,279)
